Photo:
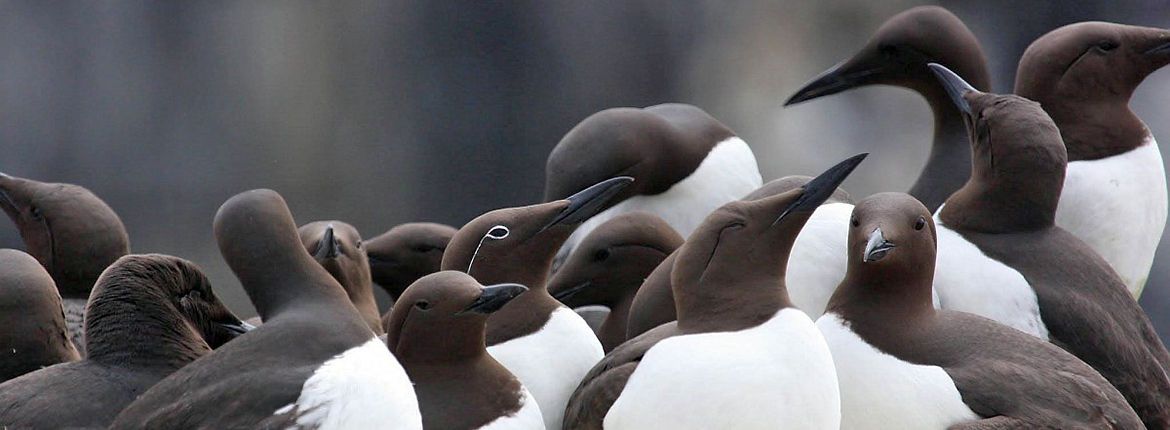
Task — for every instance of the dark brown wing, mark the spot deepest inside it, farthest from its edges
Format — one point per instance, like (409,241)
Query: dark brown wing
(1090,313)
(1002,372)
(606,380)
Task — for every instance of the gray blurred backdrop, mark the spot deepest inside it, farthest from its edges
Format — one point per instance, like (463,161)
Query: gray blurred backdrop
(384,112)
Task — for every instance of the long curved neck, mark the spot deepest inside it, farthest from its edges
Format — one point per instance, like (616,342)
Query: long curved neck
(460,344)
(524,315)
(1092,131)
(730,307)
(949,165)
(131,330)
(613,330)
(367,308)
(360,290)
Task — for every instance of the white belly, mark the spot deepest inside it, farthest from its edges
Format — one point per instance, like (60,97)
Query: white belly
(728,173)
(1117,205)
(552,361)
(777,375)
(364,387)
(527,418)
(968,280)
(879,391)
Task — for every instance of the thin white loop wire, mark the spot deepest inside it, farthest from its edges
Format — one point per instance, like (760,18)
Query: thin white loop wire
(487,236)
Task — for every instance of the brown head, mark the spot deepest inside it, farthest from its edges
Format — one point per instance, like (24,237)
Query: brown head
(730,272)
(1018,163)
(34,333)
(657,146)
(406,253)
(613,260)
(898,53)
(1084,75)
(450,306)
(151,309)
(518,244)
(338,248)
(258,239)
(892,243)
(72,232)
(437,329)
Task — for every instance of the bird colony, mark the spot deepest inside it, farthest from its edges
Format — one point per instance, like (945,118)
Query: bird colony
(661,284)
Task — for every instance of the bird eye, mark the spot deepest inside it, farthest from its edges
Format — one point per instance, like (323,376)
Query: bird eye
(601,254)
(35,211)
(359,243)
(422,304)
(1107,45)
(888,50)
(854,221)
(920,223)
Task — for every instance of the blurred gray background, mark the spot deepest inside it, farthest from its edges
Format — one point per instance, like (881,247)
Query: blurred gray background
(384,112)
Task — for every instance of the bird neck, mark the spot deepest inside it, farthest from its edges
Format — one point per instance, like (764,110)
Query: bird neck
(129,330)
(948,166)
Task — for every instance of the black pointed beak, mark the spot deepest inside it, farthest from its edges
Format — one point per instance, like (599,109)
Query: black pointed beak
(876,247)
(328,247)
(822,187)
(955,86)
(566,294)
(590,201)
(838,78)
(1160,49)
(237,328)
(5,199)
(494,297)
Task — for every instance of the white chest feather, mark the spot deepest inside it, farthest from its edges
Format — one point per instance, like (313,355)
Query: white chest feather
(552,361)
(879,391)
(776,375)
(1117,205)
(968,280)
(364,387)
(527,418)
(728,173)
(818,260)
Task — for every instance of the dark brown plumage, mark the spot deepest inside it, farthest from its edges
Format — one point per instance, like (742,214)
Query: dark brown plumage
(72,232)
(405,253)
(1007,209)
(1000,372)
(610,264)
(437,331)
(338,248)
(34,333)
(897,54)
(149,316)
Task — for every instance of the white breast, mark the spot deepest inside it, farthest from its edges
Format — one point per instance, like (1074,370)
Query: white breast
(1117,205)
(364,387)
(552,361)
(776,375)
(818,260)
(527,418)
(968,280)
(879,391)
(728,173)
